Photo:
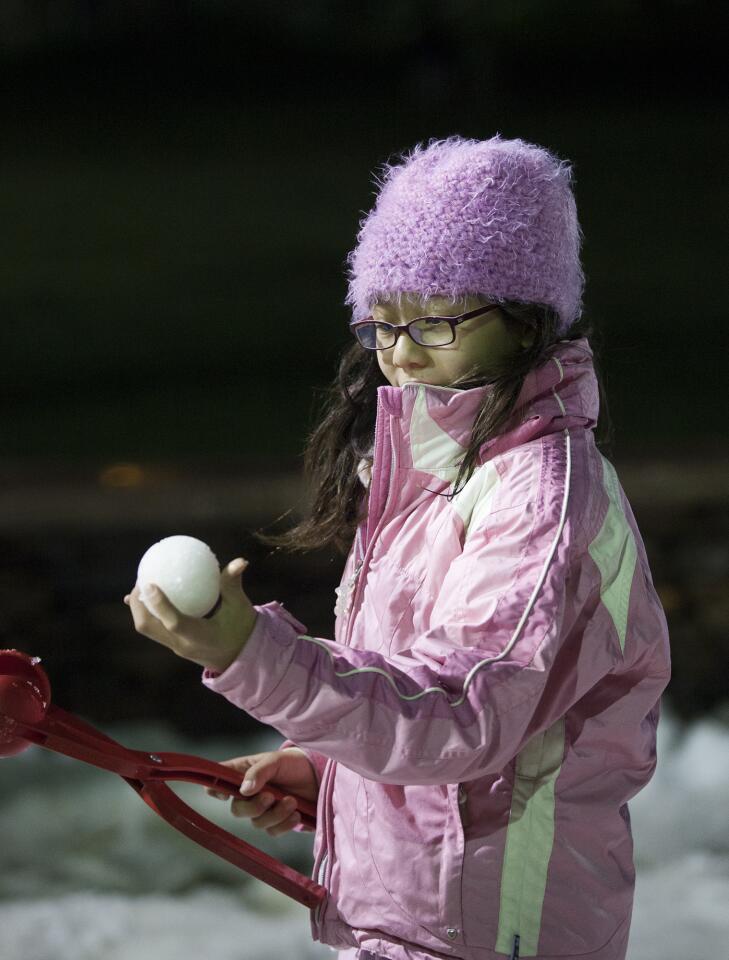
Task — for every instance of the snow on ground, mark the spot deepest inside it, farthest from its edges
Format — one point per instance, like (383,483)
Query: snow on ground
(89,872)
(208,922)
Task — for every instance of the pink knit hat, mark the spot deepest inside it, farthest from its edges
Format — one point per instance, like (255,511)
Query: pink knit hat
(463,217)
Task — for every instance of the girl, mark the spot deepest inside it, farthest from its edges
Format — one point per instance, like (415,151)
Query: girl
(489,702)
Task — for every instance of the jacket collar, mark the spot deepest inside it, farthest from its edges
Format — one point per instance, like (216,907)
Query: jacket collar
(436,422)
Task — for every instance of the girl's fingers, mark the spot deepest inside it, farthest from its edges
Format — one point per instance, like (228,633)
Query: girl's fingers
(288,824)
(146,623)
(255,808)
(276,814)
(168,614)
(258,774)
(241,764)
(238,763)
(258,769)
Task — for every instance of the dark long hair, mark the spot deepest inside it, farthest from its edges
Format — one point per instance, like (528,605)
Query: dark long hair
(345,431)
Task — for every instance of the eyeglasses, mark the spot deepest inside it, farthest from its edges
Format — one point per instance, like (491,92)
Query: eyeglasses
(425,331)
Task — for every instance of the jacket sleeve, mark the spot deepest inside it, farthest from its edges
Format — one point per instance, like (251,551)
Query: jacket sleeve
(509,650)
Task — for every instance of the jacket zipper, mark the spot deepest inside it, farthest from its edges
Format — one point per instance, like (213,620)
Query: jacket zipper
(515,949)
(344,594)
(322,870)
(320,880)
(370,540)
(462,809)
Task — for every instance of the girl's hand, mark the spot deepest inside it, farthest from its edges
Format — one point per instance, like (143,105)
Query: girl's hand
(289,769)
(214,643)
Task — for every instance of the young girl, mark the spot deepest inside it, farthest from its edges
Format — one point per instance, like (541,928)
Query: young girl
(489,702)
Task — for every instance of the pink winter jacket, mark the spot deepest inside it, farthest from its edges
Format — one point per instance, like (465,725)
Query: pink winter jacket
(489,704)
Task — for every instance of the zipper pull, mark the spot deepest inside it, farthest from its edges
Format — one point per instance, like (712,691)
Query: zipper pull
(344,594)
(515,951)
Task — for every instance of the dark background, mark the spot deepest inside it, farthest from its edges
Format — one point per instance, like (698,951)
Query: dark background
(180,184)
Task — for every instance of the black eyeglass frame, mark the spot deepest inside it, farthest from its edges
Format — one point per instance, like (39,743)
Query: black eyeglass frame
(405,327)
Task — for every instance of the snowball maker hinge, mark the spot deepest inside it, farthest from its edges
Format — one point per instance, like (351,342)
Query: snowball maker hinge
(27,717)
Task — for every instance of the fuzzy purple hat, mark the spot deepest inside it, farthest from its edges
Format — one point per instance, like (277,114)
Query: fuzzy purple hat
(464,217)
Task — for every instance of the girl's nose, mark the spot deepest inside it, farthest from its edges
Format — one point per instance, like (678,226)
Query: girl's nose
(406,352)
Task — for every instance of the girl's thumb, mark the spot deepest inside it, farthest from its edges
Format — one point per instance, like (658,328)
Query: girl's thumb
(249,785)
(231,580)
(255,778)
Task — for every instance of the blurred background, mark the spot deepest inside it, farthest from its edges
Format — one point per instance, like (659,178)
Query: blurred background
(180,184)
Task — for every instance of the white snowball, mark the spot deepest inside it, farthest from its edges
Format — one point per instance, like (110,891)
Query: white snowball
(187,572)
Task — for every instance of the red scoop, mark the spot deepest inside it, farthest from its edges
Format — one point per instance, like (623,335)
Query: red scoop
(27,717)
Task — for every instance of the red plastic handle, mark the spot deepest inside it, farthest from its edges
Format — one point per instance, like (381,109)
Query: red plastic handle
(27,717)
(231,848)
(134,766)
(64,733)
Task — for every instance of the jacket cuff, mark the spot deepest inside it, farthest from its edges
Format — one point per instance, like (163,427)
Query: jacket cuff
(317,760)
(263,660)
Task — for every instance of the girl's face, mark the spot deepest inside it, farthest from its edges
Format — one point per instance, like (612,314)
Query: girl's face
(480,341)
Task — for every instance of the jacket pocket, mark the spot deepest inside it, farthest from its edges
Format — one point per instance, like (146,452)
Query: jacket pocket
(416,844)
